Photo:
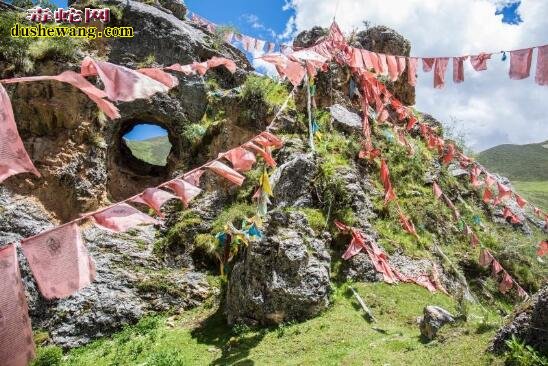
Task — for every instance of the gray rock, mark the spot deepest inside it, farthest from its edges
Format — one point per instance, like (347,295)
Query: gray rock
(308,38)
(529,324)
(360,268)
(283,277)
(292,181)
(433,319)
(345,120)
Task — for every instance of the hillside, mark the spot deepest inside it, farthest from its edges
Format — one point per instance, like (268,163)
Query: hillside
(518,162)
(525,165)
(154,151)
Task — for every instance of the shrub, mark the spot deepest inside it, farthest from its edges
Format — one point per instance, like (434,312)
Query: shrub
(520,354)
(48,356)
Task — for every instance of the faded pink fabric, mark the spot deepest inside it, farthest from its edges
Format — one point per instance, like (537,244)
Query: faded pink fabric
(242,160)
(427,64)
(266,155)
(519,200)
(383,64)
(185,69)
(295,72)
(357,59)
(458,69)
(200,67)
(78,81)
(226,172)
(13,156)
(440,67)
(367,62)
(121,83)
(520,63)
(392,64)
(122,217)
(222,61)
(489,180)
(401,64)
(487,195)
(506,283)
(504,192)
(194,177)
(541,75)
(355,246)
(247,42)
(163,77)
(275,141)
(154,198)
(437,190)
(479,62)
(184,190)
(412,71)
(449,154)
(16,342)
(495,267)
(374,57)
(485,258)
(59,261)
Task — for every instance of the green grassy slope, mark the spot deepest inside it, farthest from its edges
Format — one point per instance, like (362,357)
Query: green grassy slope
(340,336)
(518,162)
(153,151)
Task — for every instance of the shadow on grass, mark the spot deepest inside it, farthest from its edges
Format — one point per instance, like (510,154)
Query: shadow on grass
(235,348)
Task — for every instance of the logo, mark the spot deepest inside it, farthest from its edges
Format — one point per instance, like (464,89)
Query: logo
(54,246)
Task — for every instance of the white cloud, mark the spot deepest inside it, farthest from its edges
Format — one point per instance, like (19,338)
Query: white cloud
(491,108)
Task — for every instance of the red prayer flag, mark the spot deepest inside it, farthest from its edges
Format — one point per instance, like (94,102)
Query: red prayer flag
(194,177)
(506,283)
(542,248)
(401,64)
(489,180)
(122,217)
(437,190)
(355,246)
(520,63)
(122,84)
(221,61)
(265,153)
(485,258)
(16,342)
(495,267)
(411,123)
(241,159)
(474,240)
(440,67)
(184,190)
(408,225)
(479,62)
(275,141)
(154,198)
(159,75)
(541,75)
(458,69)
(13,156)
(412,71)
(503,192)
(392,64)
(449,154)
(519,200)
(226,172)
(427,64)
(59,261)
(383,64)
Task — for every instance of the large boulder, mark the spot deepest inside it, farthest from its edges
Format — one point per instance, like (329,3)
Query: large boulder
(282,277)
(529,324)
(292,181)
(434,317)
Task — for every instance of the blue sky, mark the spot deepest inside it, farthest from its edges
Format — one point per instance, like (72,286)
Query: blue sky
(145,131)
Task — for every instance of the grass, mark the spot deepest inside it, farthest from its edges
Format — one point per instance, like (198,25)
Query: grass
(153,151)
(339,336)
(536,192)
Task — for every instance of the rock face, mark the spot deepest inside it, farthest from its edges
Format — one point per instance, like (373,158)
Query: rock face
(529,324)
(283,277)
(433,319)
(308,38)
(386,40)
(131,281)
(292,181)
(345,120)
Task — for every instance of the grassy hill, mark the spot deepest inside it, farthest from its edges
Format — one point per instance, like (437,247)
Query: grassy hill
(153,151)
(518,162)
(525,165)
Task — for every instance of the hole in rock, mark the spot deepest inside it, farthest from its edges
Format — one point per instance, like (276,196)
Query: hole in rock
(149,143)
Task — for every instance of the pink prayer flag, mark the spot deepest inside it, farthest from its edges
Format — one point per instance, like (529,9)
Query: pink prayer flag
(356,246)
(383,64)
(487,195)
(427,64)
(485,258)
(122,217)
(489,180)
(519,200)
(449,154)
(200,67)
(392,64)
(163,77)
(542,248)
(367,62)
(506,283)
(194,177)
(541,75)
(357,60)
(474,240)
(154,198)
(16,342)
(78,81)
(13,156)
(440,67)
(185,69)
(437,190)
(389,194)
(121,83)
(294,72)
(275,141)
(376,62)
(407,225)
(385,174)
(265,153)
(401,64)
(59,261)
(242,160)
(412,70)
(503,192)
(226,172)
(424,281)
(247,42)
(479,62)
(222,61)
(495,267)
(458,69)
(184,190)
(520,63)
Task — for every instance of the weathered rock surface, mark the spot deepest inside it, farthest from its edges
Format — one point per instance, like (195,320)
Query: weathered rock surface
(529,324)
(292,182)
(283,277)
(433,319)
(345,120)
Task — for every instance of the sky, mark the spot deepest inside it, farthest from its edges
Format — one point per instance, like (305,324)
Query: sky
(145,131)
(488,108)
